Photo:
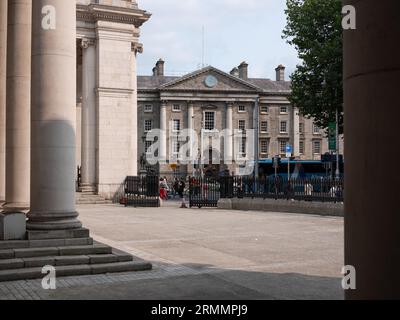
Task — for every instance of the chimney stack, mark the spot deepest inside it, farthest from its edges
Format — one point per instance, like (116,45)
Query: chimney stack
(280,73)
(243,71)
(235,72)
(158,70)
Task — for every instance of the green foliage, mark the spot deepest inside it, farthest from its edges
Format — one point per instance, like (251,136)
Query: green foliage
(314,29)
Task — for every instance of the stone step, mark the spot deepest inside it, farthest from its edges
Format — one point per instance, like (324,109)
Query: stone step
(40,262)
(55,251)
(4,245)
(74,270)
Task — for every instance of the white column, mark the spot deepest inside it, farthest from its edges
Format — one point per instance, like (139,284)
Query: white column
(53,116)
(164,129)
(191,126)
(18,105)
(296,131)
(133,171)
(229,137)
(88,147)
(3,75)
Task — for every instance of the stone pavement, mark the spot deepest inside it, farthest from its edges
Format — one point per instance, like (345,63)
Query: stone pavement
(207,254)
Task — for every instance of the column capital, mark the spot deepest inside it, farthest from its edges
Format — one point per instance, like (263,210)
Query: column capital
(137,47)
(229,104)
(87,42)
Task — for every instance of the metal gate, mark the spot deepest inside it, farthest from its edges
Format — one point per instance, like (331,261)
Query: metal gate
(142,191)
(204,192)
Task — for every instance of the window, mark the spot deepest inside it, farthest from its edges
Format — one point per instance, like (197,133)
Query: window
(282,146)
(301,128)
(264,109)
(176,147)
(148,108)
(301,147)
(284,110)
(264,126)
(176,125)
(283,127)
(176,108)
(264,146)
(147,146)
(242,125)
(316,129)
(317,147)
(242,108)
(148,125)
(242,147)
(209,120)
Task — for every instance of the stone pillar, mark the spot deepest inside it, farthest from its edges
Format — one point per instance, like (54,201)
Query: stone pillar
(371,81)
(296,132)
(191,127)
(164,129)
(3,75)
(18,105)
(53,116)
(229,136)
(88,147)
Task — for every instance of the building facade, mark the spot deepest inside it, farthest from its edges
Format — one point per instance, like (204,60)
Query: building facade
(108,34)
(212,99)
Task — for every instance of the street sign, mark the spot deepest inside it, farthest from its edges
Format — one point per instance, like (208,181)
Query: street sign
(332,136)
(289,151)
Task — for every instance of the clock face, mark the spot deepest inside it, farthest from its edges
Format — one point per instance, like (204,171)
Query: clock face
(211,81)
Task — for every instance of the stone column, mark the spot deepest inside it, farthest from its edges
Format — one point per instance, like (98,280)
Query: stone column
(18,105)
(191,126)
(164,129)
(53,116)
(229,136)
(3,75)
(296,132)
(371,81)
(88,147)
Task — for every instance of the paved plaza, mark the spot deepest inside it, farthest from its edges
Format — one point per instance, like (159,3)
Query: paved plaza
(207,254)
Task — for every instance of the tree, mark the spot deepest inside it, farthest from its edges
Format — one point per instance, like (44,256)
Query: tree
(314,29)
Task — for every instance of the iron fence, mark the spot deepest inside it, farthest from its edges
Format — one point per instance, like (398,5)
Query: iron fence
(142,191)
(316,189)
(204,192)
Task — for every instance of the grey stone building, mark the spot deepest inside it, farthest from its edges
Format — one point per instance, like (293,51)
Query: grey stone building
(210,99)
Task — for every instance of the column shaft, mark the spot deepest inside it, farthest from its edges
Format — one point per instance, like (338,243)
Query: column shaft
(163,127)
(3,76)
(296,132)
(371,81)
(88,116)
(18,105)
(229,134)
(53,116)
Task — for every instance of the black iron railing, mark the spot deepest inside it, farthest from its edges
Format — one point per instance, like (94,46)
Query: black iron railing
(316,189)
(142,191)
(204,192)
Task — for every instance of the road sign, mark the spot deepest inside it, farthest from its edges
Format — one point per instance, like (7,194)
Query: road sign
(289,151)
(332,136)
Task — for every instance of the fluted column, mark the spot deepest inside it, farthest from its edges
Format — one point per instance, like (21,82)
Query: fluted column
(53,116)
(3,75)
(371,108)
(88,146)
(18,105)
(163,127)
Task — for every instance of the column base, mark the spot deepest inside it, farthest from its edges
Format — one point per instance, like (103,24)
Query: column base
(12,226)
(53,221)
(79,233)
(87,188)
(10,207)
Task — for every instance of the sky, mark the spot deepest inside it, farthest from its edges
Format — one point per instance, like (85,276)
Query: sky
(235,31)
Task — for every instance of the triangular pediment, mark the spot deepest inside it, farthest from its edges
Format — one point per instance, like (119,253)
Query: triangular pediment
(210,79)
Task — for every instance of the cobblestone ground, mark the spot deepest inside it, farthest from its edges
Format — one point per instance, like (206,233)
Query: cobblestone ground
(206,254)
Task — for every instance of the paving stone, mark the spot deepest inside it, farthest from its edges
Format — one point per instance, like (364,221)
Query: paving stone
(120,267)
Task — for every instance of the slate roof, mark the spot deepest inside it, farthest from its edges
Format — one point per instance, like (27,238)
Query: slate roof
(158,82)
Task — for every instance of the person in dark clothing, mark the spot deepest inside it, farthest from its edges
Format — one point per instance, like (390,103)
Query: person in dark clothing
(181,191)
